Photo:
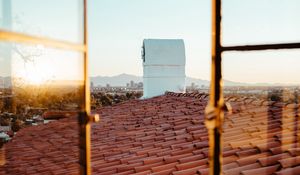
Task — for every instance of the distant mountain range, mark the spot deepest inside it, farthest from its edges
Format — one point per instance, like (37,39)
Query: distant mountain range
(118,80)
(122,79)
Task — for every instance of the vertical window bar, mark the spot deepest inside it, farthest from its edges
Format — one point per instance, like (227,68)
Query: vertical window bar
(214,112)
(84,121)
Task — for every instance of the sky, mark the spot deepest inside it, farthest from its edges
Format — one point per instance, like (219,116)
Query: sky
(118,27)
(122,25)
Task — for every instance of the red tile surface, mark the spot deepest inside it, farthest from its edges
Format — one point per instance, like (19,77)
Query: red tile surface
(164,135)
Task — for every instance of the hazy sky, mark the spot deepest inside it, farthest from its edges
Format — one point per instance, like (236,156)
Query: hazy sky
(118,27)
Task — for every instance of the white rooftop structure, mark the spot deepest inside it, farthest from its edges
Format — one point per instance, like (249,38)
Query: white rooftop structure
(163,66)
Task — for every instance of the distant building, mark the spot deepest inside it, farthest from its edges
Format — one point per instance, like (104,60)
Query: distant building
(132,84)
(163,66)
(92,86)
(140,85)
(193,86)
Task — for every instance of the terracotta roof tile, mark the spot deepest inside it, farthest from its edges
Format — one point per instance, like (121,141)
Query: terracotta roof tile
(262,171)
(203,171)
(189,171)
(164,167)
(229,159)
(230,166)
(147,167)
(127,168)
(282,148)
(193,164)
(272,160)
(170,159)
(164,172)
(290,161)
(152,160)
(294,151)
(143,173)
(126,172)
(251,159)
(248,152)
(268,145)
(164,135)
(238,170)
(191,158)
(289,171)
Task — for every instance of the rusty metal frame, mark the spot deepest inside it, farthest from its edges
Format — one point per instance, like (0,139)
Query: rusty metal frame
(215,108)
(85,118)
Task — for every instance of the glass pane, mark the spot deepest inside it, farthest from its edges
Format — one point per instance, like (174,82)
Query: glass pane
(57,19)
(164,134)
(261,134)
(260,21)
(41,93)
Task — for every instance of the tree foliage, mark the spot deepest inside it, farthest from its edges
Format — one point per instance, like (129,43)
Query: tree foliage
(100,99)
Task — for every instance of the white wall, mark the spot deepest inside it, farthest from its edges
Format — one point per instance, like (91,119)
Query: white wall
(163,66)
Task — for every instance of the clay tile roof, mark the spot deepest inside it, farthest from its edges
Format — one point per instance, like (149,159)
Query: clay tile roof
(289,171)
(57,114)
(164,135)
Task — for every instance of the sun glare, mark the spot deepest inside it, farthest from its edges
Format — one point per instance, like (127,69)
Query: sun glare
(34,78)
(37,73)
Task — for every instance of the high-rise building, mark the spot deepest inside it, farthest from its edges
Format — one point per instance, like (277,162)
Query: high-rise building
(132,84)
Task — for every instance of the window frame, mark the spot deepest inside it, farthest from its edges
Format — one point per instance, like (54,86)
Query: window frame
(216,106)
(214,110)
(85,118)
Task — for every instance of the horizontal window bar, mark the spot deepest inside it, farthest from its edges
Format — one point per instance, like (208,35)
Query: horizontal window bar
(261,47)
(28,39)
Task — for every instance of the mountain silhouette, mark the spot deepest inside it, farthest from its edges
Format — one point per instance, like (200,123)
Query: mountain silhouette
(123,79)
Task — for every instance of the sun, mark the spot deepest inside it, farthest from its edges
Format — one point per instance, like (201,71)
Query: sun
(36,73)
(34,78)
